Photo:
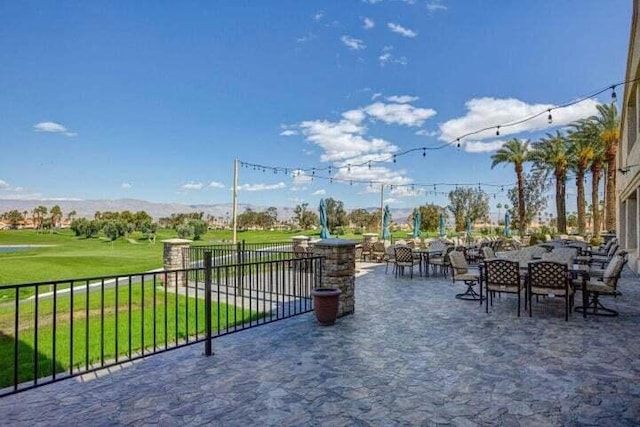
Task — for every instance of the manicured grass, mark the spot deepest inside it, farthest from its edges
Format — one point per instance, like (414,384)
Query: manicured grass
(102,330)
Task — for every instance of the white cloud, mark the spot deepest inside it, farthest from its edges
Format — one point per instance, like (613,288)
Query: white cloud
(318,15)
(192,186)
(261,187)
(368,23)
(435,6)
(352,43)
(399,29)
(406,191)
(386,57)
(3,184)
(319,193)
(425,132)
(402,114)
(482,147)
(288,132)
(391,201)
(125,186)
(403,99)
(53,127)
(375,96)
(215,184)
(489,112)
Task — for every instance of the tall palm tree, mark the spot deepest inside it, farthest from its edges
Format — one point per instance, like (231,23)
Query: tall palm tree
(596,168)
(551,154)
(607,122)
(517,152)
(581,154)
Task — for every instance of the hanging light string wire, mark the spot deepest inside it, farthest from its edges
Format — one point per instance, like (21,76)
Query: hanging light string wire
(312,170)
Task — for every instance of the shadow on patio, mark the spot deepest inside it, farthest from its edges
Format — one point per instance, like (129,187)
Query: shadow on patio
(411,354)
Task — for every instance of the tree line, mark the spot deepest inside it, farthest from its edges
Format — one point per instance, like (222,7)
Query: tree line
(588,146)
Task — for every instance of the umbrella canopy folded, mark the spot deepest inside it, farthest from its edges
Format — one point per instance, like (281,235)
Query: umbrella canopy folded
(386,221)
(417,220)
(507,221)
(443,231)
(324,230)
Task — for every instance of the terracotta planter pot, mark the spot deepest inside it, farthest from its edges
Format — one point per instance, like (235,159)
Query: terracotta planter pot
(325,303)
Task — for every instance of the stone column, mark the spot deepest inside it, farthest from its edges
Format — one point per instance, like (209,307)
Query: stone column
(339,270)
(176,257)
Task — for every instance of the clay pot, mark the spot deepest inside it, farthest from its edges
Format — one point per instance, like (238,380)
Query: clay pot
(325,303)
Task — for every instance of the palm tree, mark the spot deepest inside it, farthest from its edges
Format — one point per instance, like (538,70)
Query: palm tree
(608,124)
(551,154)
(581,153)
(517,152)
(596,167)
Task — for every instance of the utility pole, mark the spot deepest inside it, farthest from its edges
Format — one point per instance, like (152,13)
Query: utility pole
(234,208)
(381,211)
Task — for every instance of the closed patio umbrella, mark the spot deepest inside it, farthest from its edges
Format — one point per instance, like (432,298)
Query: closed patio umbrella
(417,220)
(386,221)
(443,231)
(468,228)
(324,230)
(507,221)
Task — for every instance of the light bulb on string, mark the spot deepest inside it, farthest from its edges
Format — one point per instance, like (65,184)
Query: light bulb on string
(424,152)
(614,97)
(369,164)
(458,144)
(498,131)
(549,117)
(348,167)
(394,158)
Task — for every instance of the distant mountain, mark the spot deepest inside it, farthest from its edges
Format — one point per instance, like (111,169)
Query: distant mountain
(87,208)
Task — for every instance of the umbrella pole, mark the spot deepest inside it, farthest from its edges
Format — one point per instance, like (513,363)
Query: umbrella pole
(382,211)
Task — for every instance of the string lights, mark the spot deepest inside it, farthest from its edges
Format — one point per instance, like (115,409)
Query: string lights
(457,140)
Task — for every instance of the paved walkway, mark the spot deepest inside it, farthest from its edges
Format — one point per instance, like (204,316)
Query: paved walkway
(411,355)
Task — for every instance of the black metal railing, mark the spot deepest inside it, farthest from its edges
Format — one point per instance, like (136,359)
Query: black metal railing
(232,253)
(55,330)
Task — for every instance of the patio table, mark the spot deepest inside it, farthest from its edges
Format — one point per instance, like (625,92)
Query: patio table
(425,254)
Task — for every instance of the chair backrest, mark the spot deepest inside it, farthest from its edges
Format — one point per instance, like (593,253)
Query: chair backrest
(613,271)
(403,253)
(502,272)
(487,252)
(391,251)
(401,242)
(367,247)
(378,247)
(411,244)
(612,249)
(549,275)
(458,262)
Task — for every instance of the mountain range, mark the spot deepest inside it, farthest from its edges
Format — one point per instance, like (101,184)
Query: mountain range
(87,208)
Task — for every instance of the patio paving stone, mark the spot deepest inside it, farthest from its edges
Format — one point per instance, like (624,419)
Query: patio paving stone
(412,354)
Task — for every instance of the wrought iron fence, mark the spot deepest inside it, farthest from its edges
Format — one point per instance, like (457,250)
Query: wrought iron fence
(233,253)
(59,329)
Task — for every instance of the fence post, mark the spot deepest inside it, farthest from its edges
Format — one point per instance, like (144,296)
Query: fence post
(207,303)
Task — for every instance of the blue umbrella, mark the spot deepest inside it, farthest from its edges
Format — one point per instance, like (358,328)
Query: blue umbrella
(386,220)
(417,220)
(443,232)
(324,231)
(507,220)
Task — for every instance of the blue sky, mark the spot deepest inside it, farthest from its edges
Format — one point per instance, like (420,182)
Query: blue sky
(153,100)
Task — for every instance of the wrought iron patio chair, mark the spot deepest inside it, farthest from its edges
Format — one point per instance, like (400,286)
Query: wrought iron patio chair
(441,261)
(404,258)
(390,258)
(551,279)
(367,250)
(377,251)
(462,273)
(502,276)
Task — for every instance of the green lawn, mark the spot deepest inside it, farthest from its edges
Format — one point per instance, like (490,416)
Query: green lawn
(140,331)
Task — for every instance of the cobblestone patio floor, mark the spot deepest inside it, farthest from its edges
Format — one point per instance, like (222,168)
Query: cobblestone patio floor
(411,355)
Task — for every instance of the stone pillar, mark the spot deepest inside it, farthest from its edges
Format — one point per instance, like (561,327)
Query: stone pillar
(339,270)
(176,258)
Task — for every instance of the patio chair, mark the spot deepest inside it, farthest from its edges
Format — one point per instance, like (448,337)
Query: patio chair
(389,258)
(461,273)
(551,279)
(404,258)
(603,249)
(377,251)
(367,250)
(604,259)
(358,252)
(607,286)
(488,253)
(502,276)
(441,261)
